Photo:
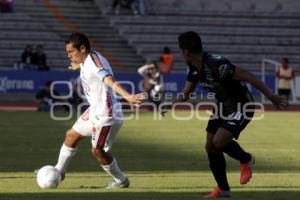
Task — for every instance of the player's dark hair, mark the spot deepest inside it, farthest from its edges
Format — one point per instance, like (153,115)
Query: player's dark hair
(167,50)
(154,63)
(190,41)
(286,60)
(48,83)
(78,40)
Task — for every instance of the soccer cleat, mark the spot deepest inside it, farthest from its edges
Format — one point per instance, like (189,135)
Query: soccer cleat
(246,171)
(62,176)
(114,184)
(218,193)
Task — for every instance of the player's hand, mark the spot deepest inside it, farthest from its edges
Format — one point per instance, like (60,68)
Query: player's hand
(74,66)
(163,113)
(136,99)
(164,109)
(279,101)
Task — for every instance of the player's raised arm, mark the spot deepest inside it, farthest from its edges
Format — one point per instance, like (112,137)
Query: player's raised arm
(143,69)
(117,87)
(244,75)
(189,87)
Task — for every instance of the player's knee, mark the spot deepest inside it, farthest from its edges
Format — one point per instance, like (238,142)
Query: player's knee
(68,133)
(209,147)
(72,138)
(218,144)
(98,153)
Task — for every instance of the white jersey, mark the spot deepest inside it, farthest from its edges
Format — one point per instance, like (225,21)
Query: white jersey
(104,108)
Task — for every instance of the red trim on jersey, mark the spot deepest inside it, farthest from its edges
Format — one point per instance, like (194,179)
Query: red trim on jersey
(102,137)
(97,60)
(109,104)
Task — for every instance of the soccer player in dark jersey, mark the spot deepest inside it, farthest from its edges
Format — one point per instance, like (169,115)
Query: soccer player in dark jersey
(233,111)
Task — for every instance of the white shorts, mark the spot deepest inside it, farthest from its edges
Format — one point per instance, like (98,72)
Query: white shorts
(103,136)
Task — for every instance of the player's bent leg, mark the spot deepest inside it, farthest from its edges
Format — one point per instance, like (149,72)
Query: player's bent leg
(221,139)
(217,165)
(110,166)
(234,150)
(103,158)
(72,138)
(246,171)
(102,143)
(67,151)
(209,146)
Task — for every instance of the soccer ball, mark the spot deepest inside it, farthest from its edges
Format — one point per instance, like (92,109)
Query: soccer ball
(48,177)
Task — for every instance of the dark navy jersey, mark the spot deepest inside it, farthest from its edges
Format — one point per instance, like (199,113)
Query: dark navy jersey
(216,76)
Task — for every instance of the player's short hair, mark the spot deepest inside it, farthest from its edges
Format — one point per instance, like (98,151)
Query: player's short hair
(190,41)
(78,40)
(154,63)
(167,50)
(48,83)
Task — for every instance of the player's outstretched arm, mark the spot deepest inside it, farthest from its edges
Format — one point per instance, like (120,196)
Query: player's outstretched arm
(134,99)
(143,69)
(189,87)
(243,75)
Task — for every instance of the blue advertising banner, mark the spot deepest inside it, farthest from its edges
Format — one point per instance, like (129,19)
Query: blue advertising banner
(26,81)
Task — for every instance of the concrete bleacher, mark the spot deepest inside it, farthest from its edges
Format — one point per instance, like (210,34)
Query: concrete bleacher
(18,30)
(244,32)
(245,39)
(34,23)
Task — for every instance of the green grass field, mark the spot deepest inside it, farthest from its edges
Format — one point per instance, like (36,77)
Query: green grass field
(164,159)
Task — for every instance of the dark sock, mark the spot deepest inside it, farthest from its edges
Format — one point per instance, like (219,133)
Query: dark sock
(217,165)
(234,150)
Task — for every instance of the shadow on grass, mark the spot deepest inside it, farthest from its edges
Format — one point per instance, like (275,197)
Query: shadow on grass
(116,195)
(145,145)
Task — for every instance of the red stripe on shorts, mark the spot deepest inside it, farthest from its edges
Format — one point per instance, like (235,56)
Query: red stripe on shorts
(103,136)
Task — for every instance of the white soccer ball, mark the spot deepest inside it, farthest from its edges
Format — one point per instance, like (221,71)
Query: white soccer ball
(48,177)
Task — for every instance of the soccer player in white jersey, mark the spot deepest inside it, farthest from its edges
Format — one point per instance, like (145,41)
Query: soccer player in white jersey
(103,118)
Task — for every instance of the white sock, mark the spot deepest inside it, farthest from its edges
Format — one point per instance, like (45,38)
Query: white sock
(114,171)
(65,155)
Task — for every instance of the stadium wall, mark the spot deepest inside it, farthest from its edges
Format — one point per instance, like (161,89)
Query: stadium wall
(26,81)
(217,5)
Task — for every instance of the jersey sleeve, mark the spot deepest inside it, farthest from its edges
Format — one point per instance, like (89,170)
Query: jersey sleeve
(103,73)
(101,70)
(225,70)
(192,76)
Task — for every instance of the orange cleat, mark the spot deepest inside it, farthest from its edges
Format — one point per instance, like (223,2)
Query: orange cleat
(246,171)
(218,193)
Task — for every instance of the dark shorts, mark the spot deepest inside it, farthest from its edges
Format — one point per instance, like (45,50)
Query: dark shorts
(284,92)
(234,122)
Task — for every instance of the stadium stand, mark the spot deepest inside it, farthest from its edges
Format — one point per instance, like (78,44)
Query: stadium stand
(49,22)
(244,38)
(244,32)
(127,41)
(19,29)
